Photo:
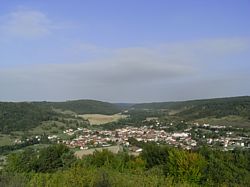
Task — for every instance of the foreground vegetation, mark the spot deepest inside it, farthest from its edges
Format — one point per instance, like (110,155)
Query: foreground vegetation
(156,166)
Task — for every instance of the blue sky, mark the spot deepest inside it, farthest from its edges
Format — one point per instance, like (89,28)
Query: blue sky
(124,51)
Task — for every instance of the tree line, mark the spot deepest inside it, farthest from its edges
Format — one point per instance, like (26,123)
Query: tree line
(157,165)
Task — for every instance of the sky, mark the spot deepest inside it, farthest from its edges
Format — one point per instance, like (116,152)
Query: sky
(124,51)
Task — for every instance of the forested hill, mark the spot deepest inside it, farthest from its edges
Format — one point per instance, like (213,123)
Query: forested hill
(218,107)
(85,106)
(26,115)
(21,116)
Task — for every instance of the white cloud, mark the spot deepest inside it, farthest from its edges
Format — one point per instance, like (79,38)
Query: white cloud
(26,24)
(129,74)
(198,51)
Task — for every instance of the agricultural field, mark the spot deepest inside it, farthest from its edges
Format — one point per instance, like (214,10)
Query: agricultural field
(98,119)
(151,118)
(6,139)
(235,121)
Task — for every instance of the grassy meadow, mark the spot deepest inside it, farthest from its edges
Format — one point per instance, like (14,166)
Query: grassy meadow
(98,119)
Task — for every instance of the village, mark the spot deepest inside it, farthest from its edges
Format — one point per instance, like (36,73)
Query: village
(191,136)
(105,138)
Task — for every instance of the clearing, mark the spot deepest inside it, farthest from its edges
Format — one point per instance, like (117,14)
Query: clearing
(235,121)
(98,119)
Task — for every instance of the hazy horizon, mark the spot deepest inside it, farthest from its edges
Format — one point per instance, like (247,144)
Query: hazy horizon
(123,102)
(132,52)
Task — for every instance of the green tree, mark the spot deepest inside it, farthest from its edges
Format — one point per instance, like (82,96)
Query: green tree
(54,157)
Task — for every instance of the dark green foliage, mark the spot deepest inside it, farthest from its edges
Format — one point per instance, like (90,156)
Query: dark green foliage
(239,106)
(101,158)
(157,166)
(12,179)
(120,162)
(54,157)
(184,166)
(179,164)
(154,155)
(103,180)
(85,107)
(135,118)
(47,159)
(22,162)
(124,106)
(134,142)
(219,108)
(8,148)
(207,167)
(227,167)
(139,115)
(26,115)
(22,116)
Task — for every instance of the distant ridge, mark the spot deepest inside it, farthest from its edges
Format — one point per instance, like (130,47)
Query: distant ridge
(196,109)
(86,106)
(25,115)
(170,104)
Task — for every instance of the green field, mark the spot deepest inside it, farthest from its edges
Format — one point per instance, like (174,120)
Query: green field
(235,121)
(6,139)
(98,119)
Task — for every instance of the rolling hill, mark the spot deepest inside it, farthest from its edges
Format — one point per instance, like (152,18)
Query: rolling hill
(85,106)
(21,116)
(195,109)
(25,115)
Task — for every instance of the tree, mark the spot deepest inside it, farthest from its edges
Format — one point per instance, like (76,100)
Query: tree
(185,166)
(22,162)
(154,155)
(48,159)
(54,157)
